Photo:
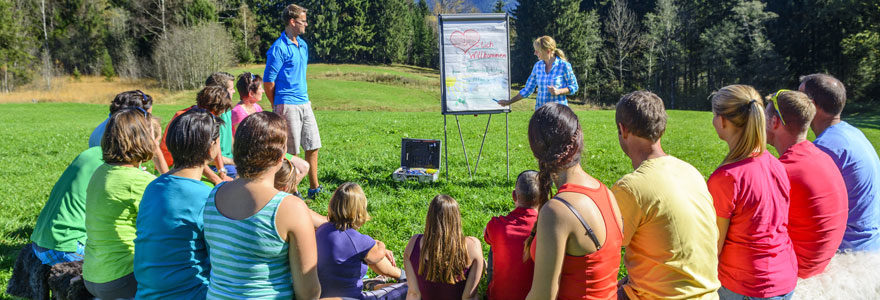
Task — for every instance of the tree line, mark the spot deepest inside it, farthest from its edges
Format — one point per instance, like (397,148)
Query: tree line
(682,50)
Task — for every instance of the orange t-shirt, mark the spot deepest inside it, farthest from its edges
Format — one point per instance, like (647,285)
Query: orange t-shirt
(162,145)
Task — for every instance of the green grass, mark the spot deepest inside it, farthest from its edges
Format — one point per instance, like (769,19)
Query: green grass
(39,140)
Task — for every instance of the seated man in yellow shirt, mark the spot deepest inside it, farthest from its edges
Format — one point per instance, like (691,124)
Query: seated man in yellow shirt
(669,229)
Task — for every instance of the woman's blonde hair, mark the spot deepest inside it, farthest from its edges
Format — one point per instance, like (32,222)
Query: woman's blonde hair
(348,207)
(443,257)
(285,176)
(742,106)
(546,43)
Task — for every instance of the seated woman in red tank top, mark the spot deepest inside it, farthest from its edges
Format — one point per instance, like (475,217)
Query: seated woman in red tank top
(443,263)
(576,240)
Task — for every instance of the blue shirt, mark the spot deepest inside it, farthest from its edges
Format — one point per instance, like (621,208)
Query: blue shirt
(560,76)
(170,256)
(97,134)
(286,65)
(341,266)
(860,167)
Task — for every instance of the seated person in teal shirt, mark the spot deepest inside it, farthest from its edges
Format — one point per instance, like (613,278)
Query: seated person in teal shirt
(60,233)
(171,259)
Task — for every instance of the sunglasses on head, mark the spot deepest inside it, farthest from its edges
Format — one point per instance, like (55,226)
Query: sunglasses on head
(776,103)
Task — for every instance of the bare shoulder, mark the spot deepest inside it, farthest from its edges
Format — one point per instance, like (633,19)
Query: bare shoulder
(410,245)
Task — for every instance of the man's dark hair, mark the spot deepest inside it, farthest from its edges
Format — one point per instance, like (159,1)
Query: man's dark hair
(190,135)
(214,98)
(828,92)
(527,189)
(642,113)
(220,79)
(135,98)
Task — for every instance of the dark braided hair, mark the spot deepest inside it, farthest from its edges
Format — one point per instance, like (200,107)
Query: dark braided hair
(557,140)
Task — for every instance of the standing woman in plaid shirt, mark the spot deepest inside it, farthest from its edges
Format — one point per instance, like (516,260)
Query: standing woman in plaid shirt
(552,76)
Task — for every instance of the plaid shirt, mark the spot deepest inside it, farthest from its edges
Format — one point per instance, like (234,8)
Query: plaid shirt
(560,76)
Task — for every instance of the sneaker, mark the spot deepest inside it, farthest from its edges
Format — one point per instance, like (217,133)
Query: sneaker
(298,194)
(314,192)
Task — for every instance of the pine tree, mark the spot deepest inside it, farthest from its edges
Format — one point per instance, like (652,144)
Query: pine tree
(393,30)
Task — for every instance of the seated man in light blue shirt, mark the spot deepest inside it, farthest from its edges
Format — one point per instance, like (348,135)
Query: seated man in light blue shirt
(284,81)
(853,154)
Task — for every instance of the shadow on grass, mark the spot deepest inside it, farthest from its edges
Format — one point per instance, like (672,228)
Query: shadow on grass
(868,120)
(379,176)
(10,246)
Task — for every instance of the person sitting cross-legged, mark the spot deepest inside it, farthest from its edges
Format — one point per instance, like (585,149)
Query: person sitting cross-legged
(344,254)
(668,218)
(510,276)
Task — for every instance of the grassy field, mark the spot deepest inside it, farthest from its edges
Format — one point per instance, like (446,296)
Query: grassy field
(360,143)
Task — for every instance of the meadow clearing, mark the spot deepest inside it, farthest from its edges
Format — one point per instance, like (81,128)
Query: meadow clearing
(363,112)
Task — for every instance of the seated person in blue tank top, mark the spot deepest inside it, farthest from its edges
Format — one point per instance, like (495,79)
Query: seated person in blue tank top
(171,259)
(261,241)
(344,254)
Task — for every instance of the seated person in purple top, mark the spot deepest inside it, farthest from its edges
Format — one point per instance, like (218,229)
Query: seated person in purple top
(286,179)
(509,276)
(854,156)
(443,263)
(344,253)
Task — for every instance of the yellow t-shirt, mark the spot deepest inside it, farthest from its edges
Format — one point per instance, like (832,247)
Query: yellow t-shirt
(669,231)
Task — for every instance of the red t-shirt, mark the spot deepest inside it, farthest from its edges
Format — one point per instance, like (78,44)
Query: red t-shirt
(162,145)
(511,277)
(818,212)
(757,258)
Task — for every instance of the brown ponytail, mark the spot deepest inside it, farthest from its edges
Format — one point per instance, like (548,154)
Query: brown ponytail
(556,140)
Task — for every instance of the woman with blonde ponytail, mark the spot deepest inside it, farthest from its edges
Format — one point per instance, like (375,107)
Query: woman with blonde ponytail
(751,194)
(576,240)
(551,75)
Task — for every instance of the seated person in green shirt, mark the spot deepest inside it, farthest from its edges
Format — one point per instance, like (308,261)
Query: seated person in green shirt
(60,233)
(112,199)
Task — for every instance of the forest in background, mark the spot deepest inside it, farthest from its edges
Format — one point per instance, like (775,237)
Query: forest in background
(682,50)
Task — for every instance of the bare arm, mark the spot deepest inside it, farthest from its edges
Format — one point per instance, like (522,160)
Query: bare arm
(551,237)
(377,260)
(475,254)
(317,219)
(269,88)
(511,101)
(159,160)
(723,225)
(412,292)
(303,251)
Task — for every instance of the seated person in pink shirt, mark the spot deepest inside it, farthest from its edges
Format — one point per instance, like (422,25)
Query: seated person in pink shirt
(818,211)
(250,91)
(751,194)
(510,277)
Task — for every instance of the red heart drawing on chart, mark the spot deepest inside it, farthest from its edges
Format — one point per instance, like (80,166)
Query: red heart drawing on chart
(465,40)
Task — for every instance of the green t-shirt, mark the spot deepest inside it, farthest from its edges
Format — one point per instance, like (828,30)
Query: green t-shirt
(61,224)
(114,194)
(226,134)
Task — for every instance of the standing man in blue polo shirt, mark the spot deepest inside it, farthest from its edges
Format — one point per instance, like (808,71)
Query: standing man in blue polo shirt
(284,81)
